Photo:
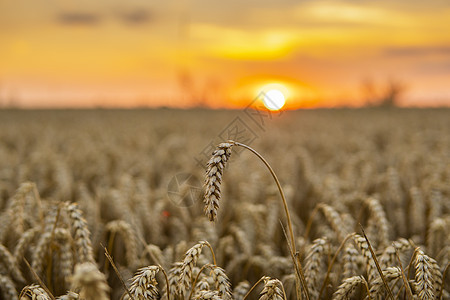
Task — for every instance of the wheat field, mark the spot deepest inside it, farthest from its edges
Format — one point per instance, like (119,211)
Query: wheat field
(123,204)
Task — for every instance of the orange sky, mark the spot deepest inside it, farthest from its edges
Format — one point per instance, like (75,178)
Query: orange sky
(61,53)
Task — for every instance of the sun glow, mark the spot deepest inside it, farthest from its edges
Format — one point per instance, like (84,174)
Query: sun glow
(274,95)
(274,99)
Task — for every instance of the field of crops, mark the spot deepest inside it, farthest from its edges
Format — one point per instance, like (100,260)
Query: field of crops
(77,184)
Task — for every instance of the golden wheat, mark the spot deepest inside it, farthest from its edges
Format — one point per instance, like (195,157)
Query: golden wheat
(70,191)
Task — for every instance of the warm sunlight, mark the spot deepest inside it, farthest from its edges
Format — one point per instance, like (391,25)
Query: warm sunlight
(222,55)
(274,99)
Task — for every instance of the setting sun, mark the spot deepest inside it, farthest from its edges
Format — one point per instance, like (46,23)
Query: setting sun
(274,99)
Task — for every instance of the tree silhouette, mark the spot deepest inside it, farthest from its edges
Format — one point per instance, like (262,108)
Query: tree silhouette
(384,96)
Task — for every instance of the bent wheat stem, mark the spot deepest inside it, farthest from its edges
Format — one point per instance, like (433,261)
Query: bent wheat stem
(253,287)
(286,210)
(285,205)
(167,280)
(196,279)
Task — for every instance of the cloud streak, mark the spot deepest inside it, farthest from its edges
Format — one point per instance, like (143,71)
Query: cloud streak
(136,17)
(79,18)
(418,51)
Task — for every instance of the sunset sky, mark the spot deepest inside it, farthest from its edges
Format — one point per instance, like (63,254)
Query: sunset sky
(109,53)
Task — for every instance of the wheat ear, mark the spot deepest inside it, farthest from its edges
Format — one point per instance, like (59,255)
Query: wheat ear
(34,291)
(390,274)
(348,285)
(378,217)
(213,179)
(223,284)
(273,290)
(7,288)
(189,262)
(388,258)
(221,281)
(41,257)
(202,284)
(90,281)
(364,247)
(81,234)
(25,194)
(240,290)
(207,295)
(10,264)
(144,284)
(350,261)
(128,237)
(173,275)
(25,239)
(69,296)
(427,274)
(335,220)
(314,266)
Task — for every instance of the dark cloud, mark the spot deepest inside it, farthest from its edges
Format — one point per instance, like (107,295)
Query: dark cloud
(417,51)
(136,17)
(132,17)
(78,18)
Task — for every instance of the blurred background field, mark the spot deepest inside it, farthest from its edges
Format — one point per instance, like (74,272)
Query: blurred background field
(120,166)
